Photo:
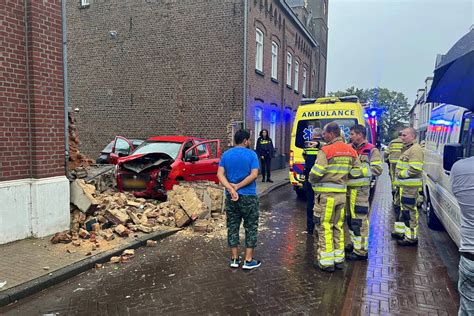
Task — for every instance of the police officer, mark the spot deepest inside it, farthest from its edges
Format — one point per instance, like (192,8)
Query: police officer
(392,153)
(310,153)
(358,193)
(265,151)
(329,177)
(408,173)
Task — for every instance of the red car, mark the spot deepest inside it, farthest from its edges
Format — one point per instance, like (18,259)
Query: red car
(163,161)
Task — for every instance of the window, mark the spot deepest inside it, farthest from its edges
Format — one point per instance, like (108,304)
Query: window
(274,60)
(85,3)
(258,123)
(259,51)
(122,147)
(288,69)
(303,89)
(305,128)
(297,75)
(273,119)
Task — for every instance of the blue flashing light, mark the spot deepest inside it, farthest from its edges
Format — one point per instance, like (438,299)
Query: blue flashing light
(373,113)
(441,122)
(366,115)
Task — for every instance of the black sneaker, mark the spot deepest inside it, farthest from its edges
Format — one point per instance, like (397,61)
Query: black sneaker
(270,180)
(339,266)
(349,248)
(408,243)
(397,236)
(263,179)
(356,257)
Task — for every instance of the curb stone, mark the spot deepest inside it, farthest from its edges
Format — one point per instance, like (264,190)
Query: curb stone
(36,285)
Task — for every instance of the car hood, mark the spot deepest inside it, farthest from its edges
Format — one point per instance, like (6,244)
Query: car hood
(141,162)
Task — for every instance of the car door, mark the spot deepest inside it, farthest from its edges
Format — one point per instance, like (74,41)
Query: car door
(122,147)
(202,160)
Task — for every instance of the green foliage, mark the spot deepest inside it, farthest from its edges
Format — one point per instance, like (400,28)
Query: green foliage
(395,105)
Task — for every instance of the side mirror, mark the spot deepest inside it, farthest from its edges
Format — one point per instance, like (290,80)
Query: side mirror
(452,153)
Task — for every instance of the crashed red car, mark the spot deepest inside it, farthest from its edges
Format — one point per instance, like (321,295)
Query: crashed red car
(163,161)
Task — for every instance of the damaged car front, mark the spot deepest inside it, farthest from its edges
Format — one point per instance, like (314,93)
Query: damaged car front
(147,171)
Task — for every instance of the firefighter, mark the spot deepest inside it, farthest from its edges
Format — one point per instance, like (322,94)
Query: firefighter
(358,193)
(329,176)
(392,153)
(408,174)
(310,153)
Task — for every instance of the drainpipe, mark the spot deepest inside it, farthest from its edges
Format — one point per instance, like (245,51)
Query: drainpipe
(65,86)
(244,114)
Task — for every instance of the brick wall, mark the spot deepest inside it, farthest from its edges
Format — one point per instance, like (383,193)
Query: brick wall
(265,93)
(174,67)
(31,94)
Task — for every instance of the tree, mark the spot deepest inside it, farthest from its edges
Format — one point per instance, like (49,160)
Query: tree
(394,105)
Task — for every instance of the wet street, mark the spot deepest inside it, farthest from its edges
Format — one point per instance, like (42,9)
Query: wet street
(188,273)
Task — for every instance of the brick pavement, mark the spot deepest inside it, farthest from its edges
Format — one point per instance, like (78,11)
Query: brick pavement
(398,280)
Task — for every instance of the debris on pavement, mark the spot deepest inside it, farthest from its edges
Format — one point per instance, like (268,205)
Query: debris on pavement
(151,243)
(2,284)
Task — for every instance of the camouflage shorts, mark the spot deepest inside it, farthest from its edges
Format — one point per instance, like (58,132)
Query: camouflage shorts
(247,209)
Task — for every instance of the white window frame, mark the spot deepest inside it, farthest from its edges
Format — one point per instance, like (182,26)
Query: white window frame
(297,75)
(85,3)
(259,50)
(289,61)
(258,123)
(273,119)
(274,60)
(303,89)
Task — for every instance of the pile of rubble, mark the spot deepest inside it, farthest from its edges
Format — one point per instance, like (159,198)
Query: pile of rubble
(106,215)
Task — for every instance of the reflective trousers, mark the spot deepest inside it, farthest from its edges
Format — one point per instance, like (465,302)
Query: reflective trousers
(392,167)
(329,218)
(406,216)
(358,218)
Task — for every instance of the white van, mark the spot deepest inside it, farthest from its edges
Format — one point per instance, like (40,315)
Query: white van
(450,138)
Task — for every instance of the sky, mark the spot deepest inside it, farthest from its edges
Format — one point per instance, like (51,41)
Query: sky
(391,43)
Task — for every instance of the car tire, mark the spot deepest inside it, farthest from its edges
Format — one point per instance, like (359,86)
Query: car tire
(300,193)
(431,219)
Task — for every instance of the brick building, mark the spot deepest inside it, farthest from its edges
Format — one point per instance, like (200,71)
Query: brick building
(140,68)
(34,192)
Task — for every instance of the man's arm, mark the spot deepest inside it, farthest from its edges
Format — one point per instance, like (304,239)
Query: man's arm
(319,168)
(415,166)
(376,162)
(249,179)
(223,180)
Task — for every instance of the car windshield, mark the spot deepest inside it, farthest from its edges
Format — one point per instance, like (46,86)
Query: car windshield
(108,148)
(169,148)
(305,128)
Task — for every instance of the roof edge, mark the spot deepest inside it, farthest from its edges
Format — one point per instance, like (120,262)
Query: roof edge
(298,22)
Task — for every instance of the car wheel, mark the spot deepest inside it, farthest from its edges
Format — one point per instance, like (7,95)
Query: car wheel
(431,218)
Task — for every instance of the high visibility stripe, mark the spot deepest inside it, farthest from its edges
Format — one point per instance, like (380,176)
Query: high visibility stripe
(412,182)
(355,172)
(394,161)
(360,182)
(366,172)
(353,198)
(402,165)
(404,173)
(318,169)
(317,173)
(326,258)
(339,252)
(327,225)
(329,187)
(329,190)
(376,163)
(399,228)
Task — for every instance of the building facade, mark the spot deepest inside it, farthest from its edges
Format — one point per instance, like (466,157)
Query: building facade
(34,191)
(203,68)
(420,112)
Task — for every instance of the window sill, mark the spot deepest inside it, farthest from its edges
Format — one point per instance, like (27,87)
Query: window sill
(289,86)
(275,81)
(85,6)
(304,95)
(259,72)
(297,92)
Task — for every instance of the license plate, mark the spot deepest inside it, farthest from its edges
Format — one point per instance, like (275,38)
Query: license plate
(134,184)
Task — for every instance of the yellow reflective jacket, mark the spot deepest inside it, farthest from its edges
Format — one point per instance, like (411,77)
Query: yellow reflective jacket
(335,162)
(394,150)
(409,169)
(370,160)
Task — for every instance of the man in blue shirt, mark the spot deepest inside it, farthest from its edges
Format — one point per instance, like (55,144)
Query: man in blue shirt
(238,170)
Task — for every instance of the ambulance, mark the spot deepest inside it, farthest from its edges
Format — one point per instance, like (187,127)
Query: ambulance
(315,113)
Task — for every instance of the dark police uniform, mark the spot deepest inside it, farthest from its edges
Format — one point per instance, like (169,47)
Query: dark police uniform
(310,154)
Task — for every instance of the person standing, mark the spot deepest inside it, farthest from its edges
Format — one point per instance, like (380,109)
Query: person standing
(265,151)
(238,170)
(329,177)
(391,156)
(310,153)
(408,173)
(358,193)
(462,182)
